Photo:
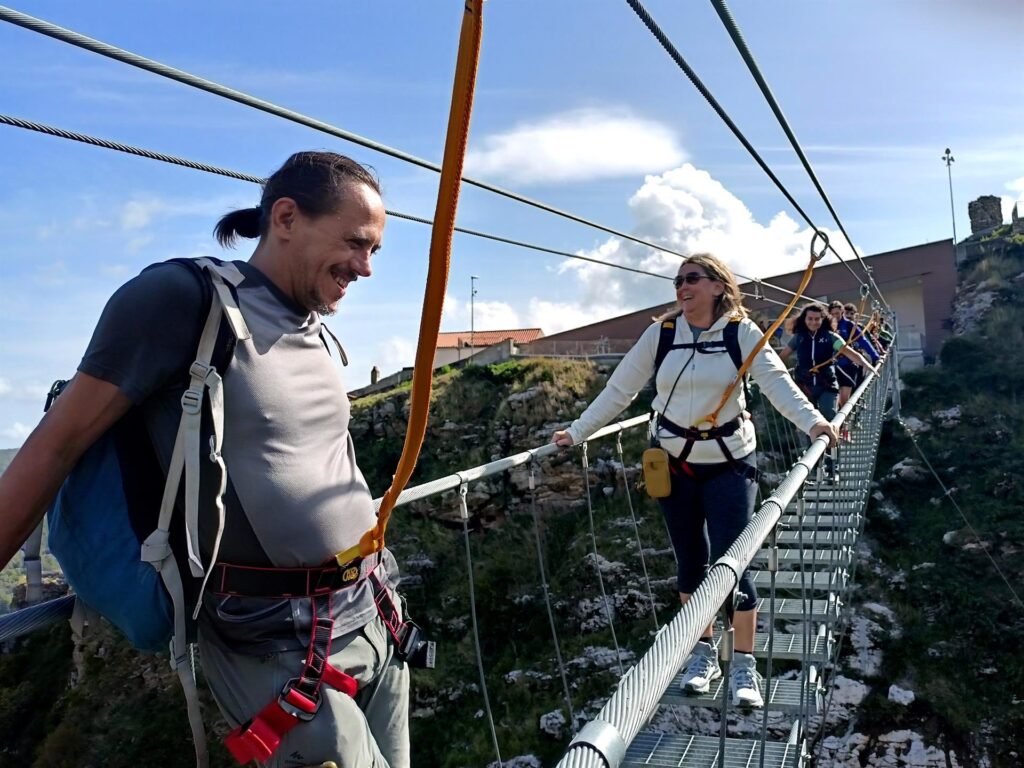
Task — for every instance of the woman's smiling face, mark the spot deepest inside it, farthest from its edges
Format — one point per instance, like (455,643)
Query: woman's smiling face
(696,291)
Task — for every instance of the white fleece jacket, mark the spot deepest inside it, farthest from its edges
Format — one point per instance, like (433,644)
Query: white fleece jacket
(698,389)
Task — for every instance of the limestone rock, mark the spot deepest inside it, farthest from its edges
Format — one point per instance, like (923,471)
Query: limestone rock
(902,696)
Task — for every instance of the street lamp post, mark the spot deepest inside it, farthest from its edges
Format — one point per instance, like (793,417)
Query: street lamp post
(948,157)
(472,313)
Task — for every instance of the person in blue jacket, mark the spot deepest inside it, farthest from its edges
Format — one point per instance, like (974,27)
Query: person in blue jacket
(817,347)
(845,317)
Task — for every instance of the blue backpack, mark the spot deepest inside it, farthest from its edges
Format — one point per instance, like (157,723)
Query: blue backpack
(96,533)
(112,526)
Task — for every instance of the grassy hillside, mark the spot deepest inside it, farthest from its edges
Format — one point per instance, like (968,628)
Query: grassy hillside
(962,627)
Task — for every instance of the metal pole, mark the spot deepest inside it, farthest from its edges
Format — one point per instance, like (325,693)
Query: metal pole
(472,313)
(948,157)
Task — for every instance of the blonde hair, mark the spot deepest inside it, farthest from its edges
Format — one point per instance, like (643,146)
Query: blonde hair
(730,303)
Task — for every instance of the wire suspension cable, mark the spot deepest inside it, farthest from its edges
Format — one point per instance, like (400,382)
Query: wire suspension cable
(219,171)
(464,512)
(741,44)
(609,609)
(636,530)
(655,30)
(947,493)
(547,594)
(64,35)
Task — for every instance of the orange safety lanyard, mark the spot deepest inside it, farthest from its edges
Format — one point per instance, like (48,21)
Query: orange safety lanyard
(712,418)
(437,274)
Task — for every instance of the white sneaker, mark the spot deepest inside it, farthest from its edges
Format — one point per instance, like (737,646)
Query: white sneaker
(701,669)
(745,682)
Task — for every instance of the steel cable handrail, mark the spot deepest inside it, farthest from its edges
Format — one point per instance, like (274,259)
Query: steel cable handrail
(603,741)
(185,78)
(741,44)
(677,57)
(149,154)
(26,620)
(126,57)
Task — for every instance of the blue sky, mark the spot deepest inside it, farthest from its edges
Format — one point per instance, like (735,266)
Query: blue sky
(576,105)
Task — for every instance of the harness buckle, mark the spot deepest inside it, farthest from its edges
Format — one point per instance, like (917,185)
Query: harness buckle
(298,704)
(417,653)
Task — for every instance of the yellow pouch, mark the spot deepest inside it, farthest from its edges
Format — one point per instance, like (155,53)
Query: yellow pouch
(656,474)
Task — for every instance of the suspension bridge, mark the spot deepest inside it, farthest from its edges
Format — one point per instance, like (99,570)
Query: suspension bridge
(802,540)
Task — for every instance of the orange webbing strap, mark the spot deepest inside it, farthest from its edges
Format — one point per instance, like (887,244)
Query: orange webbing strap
(712,418)
(437,274)
(854,335)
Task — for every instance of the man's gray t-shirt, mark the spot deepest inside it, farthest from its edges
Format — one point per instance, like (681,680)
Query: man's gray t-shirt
(290,457)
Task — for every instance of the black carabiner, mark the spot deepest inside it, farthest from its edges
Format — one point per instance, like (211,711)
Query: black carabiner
(819,233)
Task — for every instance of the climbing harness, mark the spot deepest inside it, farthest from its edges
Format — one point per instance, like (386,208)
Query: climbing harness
(301,698)
(856,331)
(708,427)
(437,275)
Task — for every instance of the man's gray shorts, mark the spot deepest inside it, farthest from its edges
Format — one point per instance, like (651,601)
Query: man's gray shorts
(370,731)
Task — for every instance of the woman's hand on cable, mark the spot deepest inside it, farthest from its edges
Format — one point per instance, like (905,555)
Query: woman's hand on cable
(824,428)
(562,438)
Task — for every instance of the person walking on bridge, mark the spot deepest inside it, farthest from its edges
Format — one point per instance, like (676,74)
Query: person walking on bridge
(846,326)
(713,471)
(296,649)
(816,345)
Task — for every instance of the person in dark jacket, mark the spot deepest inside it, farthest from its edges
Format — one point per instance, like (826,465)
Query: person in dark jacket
(817,347)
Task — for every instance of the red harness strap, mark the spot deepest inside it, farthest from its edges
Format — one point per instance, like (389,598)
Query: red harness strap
(299,700)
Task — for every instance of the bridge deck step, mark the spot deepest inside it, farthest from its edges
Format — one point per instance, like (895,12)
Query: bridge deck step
(821,557)
(820,522)
(653,748)
(790,537)
(793,608)
(794,581)
(788,646)
(785,695)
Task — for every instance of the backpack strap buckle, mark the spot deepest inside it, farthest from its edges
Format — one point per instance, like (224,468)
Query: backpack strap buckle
(192,401)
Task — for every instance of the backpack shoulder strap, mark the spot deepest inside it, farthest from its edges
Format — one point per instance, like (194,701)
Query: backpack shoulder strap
(731,337)
(665,341)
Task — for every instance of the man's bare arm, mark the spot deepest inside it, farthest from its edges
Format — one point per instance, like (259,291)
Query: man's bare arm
(86,409)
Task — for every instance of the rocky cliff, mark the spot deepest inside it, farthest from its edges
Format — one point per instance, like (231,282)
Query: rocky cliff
(929,673)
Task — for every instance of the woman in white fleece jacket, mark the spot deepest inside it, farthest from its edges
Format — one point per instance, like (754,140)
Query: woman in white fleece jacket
(713,481)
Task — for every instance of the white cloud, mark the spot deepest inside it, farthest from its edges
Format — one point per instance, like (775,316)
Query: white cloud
(687,210)
(395,353)
(1009,201)
(30,391)
(141,212)
(578,145)
(487,315)
(1006,204)
(555,317)
(17,432)
(138,214)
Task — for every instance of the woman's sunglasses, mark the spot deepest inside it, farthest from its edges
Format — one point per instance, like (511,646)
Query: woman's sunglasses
(690,278)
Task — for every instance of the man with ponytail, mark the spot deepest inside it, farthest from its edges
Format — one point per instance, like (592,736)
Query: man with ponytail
(301,655)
